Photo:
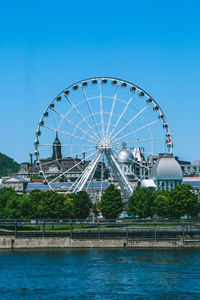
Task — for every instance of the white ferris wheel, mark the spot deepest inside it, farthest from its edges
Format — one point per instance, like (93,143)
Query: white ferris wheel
(90,120)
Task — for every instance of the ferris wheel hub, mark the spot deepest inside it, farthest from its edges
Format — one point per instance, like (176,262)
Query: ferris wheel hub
(104,144)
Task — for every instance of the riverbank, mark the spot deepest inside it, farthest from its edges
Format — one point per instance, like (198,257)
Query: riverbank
(10,242)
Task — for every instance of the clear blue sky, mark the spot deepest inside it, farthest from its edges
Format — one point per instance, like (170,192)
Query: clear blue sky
(47,45)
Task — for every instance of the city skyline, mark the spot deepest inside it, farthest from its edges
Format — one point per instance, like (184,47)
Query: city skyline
(47,48)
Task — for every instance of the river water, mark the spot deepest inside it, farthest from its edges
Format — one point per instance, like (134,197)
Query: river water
(100,274)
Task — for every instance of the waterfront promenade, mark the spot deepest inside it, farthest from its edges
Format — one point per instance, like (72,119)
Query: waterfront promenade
(104,234)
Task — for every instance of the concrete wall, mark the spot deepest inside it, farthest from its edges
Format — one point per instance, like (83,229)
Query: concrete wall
(34,243)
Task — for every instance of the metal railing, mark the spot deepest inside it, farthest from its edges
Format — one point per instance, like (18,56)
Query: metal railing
(129,229)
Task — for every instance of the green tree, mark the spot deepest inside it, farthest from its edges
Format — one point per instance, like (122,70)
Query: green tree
(111,204)
(24,207)
(82,205)
(5,195)
(161,204)
(36,197)
(68,207)
(193,206)
(12,210)
(141,203)
(183,201)
(51,205)
(18,206)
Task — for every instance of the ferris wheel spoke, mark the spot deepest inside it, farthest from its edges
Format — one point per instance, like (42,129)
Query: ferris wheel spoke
(145,126)
(121,115)
(130,121)
(74,166)
(141,165)
(131,171)
(91,177)
(85,121)
(111,114)
(116,148)
(102,166)
(135,161)
(118,173)
(93,98)
(91,112)
(59,159)
(76,126)
(135,175)
(141,141)
(67,133)
(87,172)
(101,109)
(64,145)
(74,183)
(143,152)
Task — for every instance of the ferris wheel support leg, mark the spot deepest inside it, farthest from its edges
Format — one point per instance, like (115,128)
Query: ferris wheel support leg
(121,178)
(86,174)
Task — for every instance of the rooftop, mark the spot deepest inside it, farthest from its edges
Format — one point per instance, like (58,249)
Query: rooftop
(166,167)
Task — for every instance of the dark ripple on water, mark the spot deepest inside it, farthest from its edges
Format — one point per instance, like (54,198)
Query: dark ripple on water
(100,274)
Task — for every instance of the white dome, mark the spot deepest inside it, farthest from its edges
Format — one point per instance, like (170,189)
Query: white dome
(125,156)
(166,167)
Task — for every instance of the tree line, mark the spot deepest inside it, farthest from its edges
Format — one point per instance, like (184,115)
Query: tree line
(180,201)
(144,203)
(44,205)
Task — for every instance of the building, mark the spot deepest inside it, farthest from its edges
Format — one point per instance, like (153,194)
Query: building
(194,182)
(133,164)
(56,165)
(21,185)
(17,183)
(148,183)
(164,170)
(166,173)
(189,169)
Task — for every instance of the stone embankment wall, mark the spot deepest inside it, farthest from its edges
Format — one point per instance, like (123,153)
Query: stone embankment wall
(10,242)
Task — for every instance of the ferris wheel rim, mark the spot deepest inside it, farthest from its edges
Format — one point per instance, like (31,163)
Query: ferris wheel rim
(100,78)
(110,78)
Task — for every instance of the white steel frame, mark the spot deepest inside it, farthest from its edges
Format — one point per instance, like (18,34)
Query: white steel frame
(100,140)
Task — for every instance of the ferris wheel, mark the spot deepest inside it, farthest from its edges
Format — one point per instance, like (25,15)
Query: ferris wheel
(87,123)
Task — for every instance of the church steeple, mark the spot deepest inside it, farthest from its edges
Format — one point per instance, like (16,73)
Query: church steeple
(56,148)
